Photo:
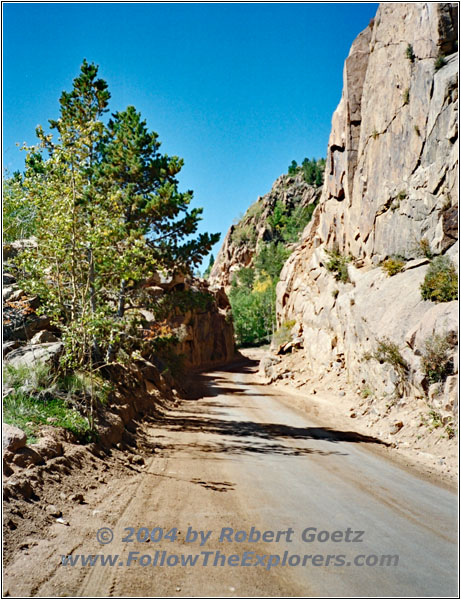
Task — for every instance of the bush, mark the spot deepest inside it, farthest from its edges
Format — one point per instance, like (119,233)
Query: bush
(436,361)
(253,312)
(277,220)
(439,62)
(244,234)
(424,249)
(388,352)
(338,265)
(270,259)
(409,53)
(245,277)
(441,281)
(366,391)
(207,271)
(182,301)
(293,168)
(392,266)
(18,212)
(255,210)
(297,221)
(313,171)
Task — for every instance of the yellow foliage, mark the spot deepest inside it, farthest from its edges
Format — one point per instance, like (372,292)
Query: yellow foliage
(262,285)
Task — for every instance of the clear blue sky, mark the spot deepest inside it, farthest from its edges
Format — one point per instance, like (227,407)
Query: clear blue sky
(237,90)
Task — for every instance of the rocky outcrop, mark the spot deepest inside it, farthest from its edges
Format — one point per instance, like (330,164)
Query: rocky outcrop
(242,240)
(390,189)
(198,316)
(391,174)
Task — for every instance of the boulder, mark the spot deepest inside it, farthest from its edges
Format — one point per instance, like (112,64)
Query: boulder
(47,447)
(8,279)
(8,291)
(9,347)
(22,327)
(11,249)
(44,337)
(29,356)
(13,438)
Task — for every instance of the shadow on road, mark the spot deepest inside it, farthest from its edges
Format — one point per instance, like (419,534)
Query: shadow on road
(227,436)
(262,431)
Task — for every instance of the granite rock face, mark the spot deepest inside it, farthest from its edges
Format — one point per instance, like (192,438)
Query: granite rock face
(390,189)
(391,175)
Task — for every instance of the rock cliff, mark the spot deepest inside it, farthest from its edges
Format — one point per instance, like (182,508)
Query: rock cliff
(242,240)
(390,191)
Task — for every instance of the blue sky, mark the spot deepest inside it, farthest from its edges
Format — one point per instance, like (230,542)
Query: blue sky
(237,90)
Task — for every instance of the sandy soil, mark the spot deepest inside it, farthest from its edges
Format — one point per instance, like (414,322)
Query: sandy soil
(240,455)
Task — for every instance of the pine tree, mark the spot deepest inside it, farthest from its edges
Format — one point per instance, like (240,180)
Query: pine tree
(207,271)
(110,214)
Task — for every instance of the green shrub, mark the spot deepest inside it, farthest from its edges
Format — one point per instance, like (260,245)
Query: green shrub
(297,221)
(392,266)
(436,419)
(424,249)
(441,281)
(182,301)
(253,312)
(451,432)
(439,62)
(436,360)
(270,259)
(313,171)
(244,234)
(366,391)
(245,277)
(19,219)
(255,210)
(278,218)
(207,271)
(39,379)
(338,265)
(293,168)
(409,53)
(388,352)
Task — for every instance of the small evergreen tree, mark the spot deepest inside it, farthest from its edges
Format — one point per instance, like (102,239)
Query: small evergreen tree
(207,271)
(293,168)
(110,214)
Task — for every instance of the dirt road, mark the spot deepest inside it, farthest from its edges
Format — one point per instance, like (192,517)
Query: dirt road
(241,457)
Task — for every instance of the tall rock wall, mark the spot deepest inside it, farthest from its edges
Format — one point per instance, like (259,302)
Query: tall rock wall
(392,154)
(390,189)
